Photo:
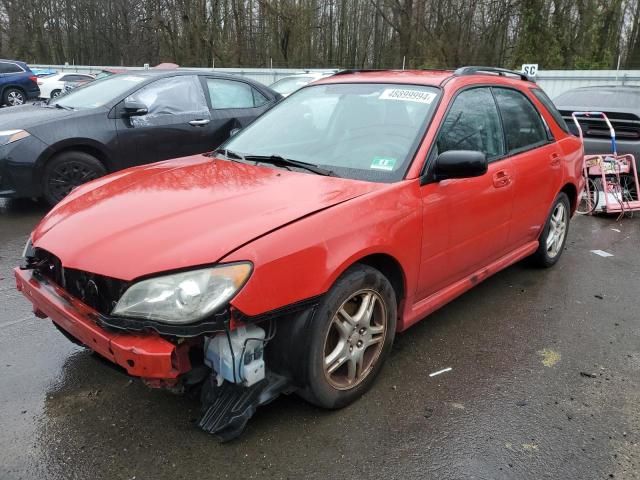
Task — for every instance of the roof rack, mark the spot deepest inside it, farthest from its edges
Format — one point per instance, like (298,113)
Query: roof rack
(503,72)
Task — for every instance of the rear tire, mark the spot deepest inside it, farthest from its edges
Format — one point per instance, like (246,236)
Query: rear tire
(67,171)
(13,97)
(351,335)
(554,234)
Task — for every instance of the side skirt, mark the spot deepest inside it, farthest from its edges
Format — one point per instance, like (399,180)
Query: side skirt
(433,302)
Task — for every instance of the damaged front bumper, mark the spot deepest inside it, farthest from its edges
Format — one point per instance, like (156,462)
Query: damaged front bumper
(145,355)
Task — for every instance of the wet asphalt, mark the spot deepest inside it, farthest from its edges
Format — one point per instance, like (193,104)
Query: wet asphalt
(545,383)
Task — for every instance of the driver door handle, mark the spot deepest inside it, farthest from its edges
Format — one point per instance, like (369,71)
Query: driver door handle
(501,179)
(199,123)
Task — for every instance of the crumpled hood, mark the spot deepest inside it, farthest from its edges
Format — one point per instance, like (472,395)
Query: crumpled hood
(181,213)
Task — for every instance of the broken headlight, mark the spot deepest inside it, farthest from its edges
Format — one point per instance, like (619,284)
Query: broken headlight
(184,297)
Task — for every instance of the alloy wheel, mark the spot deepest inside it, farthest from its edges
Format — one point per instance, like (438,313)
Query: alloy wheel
(557,230)
(15,98)
(355,339)
(69,175)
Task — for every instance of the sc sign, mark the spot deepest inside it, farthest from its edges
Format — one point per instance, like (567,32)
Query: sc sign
(530,69)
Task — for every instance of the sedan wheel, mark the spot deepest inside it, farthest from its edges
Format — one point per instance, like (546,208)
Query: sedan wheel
(67,171)
(355,339)
(69,175)
(557,230)
(350,336)
(554,234)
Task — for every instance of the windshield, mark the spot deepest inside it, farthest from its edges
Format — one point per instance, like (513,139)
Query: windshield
(290,84)
(104,74)
(361,131)
(99,92)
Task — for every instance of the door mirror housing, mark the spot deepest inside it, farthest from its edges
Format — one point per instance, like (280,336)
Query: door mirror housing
(460,164)
(134,108)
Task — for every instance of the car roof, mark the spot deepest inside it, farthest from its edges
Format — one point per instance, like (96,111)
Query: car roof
(611,98)
(434,78)
(419,77)
(158,73)
(607,88)
(18,62)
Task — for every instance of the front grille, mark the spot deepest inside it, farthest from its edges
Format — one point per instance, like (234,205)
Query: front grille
(626,125)
(96,291)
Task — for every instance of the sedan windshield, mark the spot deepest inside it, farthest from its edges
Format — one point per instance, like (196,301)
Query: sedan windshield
(361,131)
(288,85)
(98,93)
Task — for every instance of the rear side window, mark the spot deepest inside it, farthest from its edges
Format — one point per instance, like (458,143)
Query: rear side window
(6,67)
(523,126)
(472,123)
(258,98)
(548,104)
(232,94)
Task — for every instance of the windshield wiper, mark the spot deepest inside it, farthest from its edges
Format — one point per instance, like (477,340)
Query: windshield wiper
(288,162)
(230,154)
(57,105)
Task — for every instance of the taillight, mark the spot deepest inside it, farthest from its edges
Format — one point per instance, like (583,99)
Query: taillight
(33,78)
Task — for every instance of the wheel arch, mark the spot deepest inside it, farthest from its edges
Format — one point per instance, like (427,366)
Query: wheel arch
(78,145)
(390,267)
(572,192)
(11,85)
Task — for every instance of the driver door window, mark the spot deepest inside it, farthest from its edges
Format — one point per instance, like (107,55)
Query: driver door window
(170,101)
(473,123)
(474,214)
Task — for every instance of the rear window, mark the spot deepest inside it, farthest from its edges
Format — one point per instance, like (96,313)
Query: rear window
(551,108)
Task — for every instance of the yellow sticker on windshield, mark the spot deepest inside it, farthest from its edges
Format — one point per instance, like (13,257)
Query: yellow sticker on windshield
(407,95)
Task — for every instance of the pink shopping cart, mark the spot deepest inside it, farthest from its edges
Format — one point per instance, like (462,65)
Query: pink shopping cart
(611,180)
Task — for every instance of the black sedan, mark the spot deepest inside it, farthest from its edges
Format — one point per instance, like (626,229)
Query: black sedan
(121,121)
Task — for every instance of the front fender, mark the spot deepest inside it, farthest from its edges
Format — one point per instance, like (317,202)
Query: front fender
(302,260)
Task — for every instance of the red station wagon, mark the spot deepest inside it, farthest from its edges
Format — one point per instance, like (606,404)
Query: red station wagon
(288,259)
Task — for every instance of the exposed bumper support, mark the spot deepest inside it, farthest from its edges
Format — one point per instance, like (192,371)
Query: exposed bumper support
(141,354)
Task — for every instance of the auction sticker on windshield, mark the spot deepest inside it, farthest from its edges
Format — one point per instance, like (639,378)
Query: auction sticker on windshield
(130,78)
(407,95)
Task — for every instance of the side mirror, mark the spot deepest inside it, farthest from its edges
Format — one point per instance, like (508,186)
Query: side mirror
(234,131)
(133,108)
(460,164)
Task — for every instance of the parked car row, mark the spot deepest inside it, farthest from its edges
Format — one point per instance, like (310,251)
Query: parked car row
(121,121)
(17,83)
(53,85)
(287,259)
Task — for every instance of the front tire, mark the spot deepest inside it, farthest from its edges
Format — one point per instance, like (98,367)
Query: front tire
(554,234)
(351,335)
(55,93)
(67,171)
